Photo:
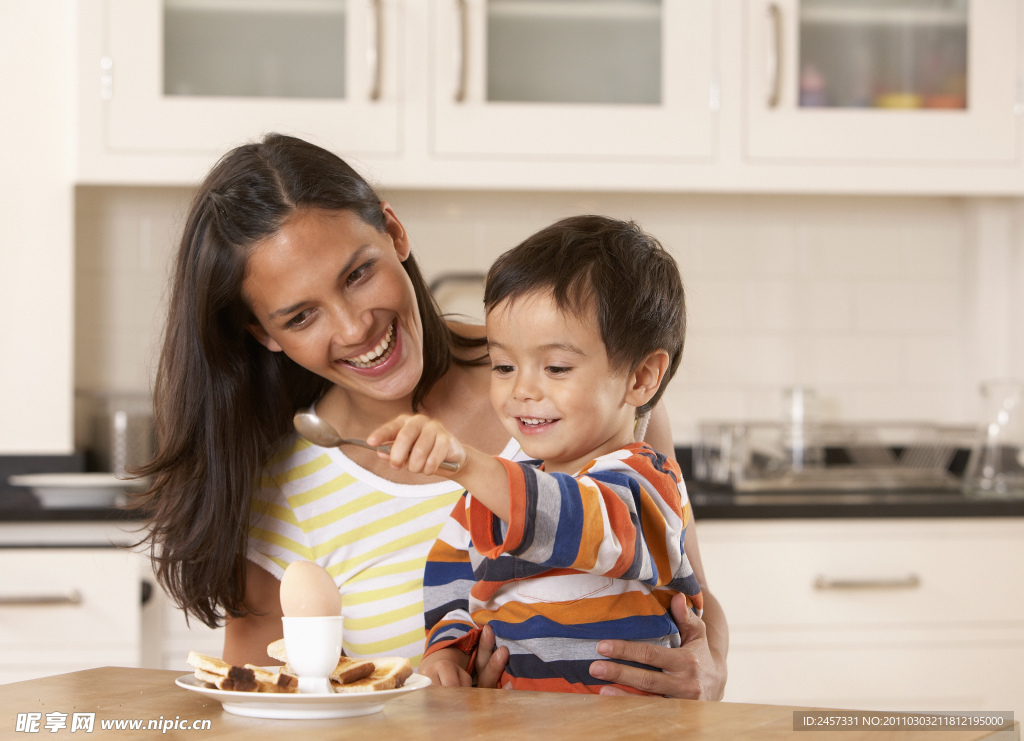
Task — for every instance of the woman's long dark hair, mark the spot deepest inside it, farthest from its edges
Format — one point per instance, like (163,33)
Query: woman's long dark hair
(222,401)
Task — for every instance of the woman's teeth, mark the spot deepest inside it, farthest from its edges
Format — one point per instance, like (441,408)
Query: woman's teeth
(533,421)
(369,359)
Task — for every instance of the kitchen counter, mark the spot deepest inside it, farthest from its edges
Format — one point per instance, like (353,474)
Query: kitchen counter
(711,502)
(432,713)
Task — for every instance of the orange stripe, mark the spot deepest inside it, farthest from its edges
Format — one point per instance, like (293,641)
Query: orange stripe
(614,607)
(593,527)
(654,535)
(557,684)
(445,553)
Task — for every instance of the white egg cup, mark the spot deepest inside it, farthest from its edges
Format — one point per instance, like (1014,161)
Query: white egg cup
(313,645)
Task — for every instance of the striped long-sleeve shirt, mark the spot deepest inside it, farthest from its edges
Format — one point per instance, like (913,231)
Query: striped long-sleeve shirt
(594,556)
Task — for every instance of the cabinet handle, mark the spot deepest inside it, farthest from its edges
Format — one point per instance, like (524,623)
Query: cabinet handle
(775,57)
(912,581)
(376,51)
(71,597)
(462,64)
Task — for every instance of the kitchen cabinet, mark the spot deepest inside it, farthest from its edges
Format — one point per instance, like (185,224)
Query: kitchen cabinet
(625,95)
(77,595)
(66,609)
(872,614)
(927,81)
(194,76)
(564,78)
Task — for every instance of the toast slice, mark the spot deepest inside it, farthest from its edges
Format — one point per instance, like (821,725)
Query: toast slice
(389,673)
(219,667)
(275,650)
(279,681)
(347,670)
(227,683)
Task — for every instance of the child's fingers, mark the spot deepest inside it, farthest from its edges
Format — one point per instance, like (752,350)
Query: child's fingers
(404,440)
(387,431)
(420,446)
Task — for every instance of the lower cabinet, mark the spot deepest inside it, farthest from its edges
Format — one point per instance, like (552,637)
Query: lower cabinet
(908,615)
(66,609)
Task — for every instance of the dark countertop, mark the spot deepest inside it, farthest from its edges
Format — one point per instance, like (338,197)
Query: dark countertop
(39,514)
(709,503)
(712,502)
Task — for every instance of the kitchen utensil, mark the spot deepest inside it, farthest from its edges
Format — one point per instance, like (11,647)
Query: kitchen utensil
(317,431)
(119,435)
(996,466)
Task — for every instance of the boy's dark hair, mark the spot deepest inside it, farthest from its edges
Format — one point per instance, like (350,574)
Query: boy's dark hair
(597,263)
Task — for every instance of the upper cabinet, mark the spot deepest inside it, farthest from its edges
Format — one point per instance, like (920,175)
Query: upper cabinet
(201,75)
(867,96)
(573,78)
(894,80)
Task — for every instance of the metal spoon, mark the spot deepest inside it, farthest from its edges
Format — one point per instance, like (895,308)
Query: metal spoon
(319,432)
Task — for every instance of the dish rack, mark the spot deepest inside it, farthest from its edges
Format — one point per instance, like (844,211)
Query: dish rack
(775,456)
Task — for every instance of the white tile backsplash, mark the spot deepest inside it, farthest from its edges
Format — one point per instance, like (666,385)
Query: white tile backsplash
(879,303)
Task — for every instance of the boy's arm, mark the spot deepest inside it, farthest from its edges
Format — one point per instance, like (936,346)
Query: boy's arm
(622,518)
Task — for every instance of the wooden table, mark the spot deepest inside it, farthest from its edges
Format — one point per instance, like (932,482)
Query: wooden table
(435,713)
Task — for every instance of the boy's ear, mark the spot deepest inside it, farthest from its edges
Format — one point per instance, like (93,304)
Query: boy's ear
(646,379)
(257,331)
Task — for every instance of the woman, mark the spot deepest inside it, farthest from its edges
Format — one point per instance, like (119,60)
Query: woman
(294,285)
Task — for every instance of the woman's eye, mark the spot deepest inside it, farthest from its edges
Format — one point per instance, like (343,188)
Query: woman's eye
(356,275)
(300,320)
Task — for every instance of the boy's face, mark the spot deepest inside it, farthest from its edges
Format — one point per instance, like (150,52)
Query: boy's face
(552,384)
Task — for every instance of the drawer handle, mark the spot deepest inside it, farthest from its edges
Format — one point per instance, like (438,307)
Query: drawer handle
(913,581)
(775,56)
(72,597)
(462,49)
(376,52)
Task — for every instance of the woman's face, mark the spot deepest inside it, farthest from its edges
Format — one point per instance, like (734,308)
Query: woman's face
(330,292)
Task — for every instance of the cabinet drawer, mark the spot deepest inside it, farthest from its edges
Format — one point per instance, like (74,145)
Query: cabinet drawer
(68,599)
(791,574)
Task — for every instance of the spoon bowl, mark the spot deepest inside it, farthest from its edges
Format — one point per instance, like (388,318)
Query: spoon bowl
(317,431)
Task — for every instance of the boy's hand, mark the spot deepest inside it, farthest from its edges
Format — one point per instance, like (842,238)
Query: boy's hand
(419,444)
(445,668)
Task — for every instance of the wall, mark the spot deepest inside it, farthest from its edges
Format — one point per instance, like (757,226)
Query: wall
(892,308)
(36,301)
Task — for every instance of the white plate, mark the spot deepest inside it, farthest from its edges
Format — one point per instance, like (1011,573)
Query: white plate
(289,706)
(70,490)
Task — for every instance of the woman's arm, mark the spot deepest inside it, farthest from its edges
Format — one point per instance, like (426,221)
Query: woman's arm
(246,638)
(697,669)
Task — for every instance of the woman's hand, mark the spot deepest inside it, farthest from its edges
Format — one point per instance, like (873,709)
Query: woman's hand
(490,663)
(688,672)
(419,444)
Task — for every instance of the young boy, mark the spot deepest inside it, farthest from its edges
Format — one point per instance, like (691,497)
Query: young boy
(585,326)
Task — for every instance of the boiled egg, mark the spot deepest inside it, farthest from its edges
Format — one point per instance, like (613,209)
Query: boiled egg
(307,590)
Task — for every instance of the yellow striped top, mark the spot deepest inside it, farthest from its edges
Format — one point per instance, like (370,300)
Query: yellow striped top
(372,535)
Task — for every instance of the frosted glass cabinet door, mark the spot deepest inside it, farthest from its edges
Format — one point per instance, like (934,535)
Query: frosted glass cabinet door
(573,77)
(204,75)
(883,80)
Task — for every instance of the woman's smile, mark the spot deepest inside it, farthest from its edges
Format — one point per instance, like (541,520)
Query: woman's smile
(378,355)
